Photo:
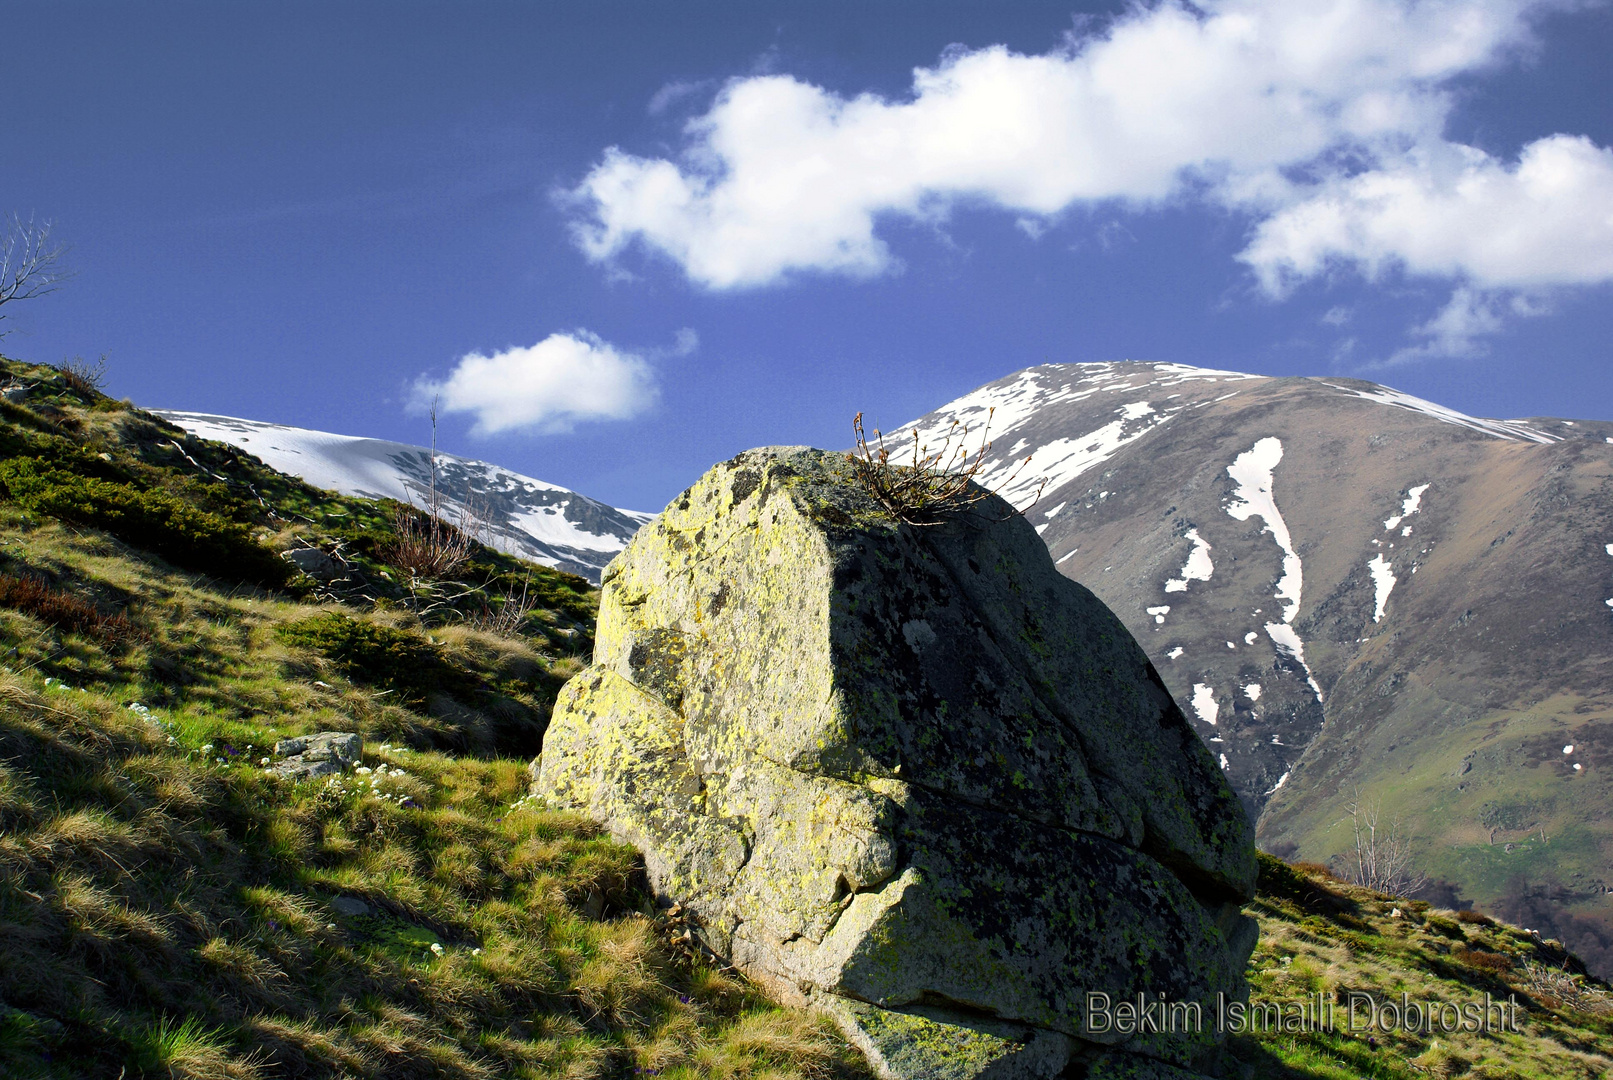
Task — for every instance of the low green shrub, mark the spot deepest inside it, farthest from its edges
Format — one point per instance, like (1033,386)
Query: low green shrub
(380,655)
(155,520)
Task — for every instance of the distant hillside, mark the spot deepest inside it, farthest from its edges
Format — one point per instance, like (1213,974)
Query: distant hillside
(1352,591)
(516,514)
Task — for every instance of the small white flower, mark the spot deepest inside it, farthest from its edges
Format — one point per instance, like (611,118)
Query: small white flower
(363,770)
(476,952)
(263,761)
(436,948)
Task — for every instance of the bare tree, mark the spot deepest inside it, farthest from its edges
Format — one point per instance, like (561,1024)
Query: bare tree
(30,264)
(1382,857)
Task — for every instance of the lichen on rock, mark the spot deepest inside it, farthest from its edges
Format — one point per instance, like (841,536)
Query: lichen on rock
(908,768)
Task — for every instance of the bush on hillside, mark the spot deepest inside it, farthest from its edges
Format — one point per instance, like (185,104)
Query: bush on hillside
(379,655)
(155,520)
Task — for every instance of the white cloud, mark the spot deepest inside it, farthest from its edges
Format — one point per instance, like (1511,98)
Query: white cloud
(1453,211)
(1235,101)
(548,387)
(672,93)
(1459,329)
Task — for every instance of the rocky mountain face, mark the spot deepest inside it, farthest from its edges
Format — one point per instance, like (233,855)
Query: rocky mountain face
(515,514)
(866,755)
(1357,596)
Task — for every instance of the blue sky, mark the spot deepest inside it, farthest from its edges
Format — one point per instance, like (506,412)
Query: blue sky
(620,241)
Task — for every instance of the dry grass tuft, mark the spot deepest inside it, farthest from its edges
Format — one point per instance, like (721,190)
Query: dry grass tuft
(35,596)
(933,483)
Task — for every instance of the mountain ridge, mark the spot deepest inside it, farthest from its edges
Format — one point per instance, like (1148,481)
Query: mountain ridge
(516,514)
(1354,593)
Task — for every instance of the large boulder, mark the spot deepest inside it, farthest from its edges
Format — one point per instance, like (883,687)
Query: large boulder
(907,773)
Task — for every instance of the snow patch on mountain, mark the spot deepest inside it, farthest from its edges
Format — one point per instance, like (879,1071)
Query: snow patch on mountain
(1198,566)
(1285,638)
(1254,471)
(1500,429)
(528,518)
(1383,583)
(1062,460)
(998,411)
(1413,502)
(1610,552)
(1204,704)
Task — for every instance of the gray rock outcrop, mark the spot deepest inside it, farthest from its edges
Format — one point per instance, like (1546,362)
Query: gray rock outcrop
(907,773)
(315,563)
(324,754)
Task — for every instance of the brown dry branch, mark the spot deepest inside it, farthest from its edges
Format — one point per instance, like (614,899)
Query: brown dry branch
(1382,859)
(30,265)
(935,482)
(1544,981)
(82,377)
(425,545)
(505,614)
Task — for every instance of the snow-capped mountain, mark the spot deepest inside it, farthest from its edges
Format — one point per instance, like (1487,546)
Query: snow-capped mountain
(529,518)
(1350,590)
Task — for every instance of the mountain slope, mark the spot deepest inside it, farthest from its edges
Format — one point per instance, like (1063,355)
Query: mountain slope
(516,514)
(176,903)
(1355,593)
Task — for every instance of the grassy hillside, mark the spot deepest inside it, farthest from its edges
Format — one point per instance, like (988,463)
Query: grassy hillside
(170,909)
(167,908)
(1320,935)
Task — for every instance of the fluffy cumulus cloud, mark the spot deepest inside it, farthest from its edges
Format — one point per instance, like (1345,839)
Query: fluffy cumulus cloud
(1454,211)
(548,387)
(1322,119)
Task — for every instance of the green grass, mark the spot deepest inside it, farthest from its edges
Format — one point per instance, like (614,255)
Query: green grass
(168,909)
(1318,934)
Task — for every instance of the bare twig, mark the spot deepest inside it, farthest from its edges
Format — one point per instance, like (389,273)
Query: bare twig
(30,265)
(1382,856)
(427,546)
(508,614)
(935,482)
(82,377)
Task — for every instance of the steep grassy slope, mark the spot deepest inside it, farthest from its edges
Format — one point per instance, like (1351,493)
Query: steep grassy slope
(169,909)
(1321,936)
